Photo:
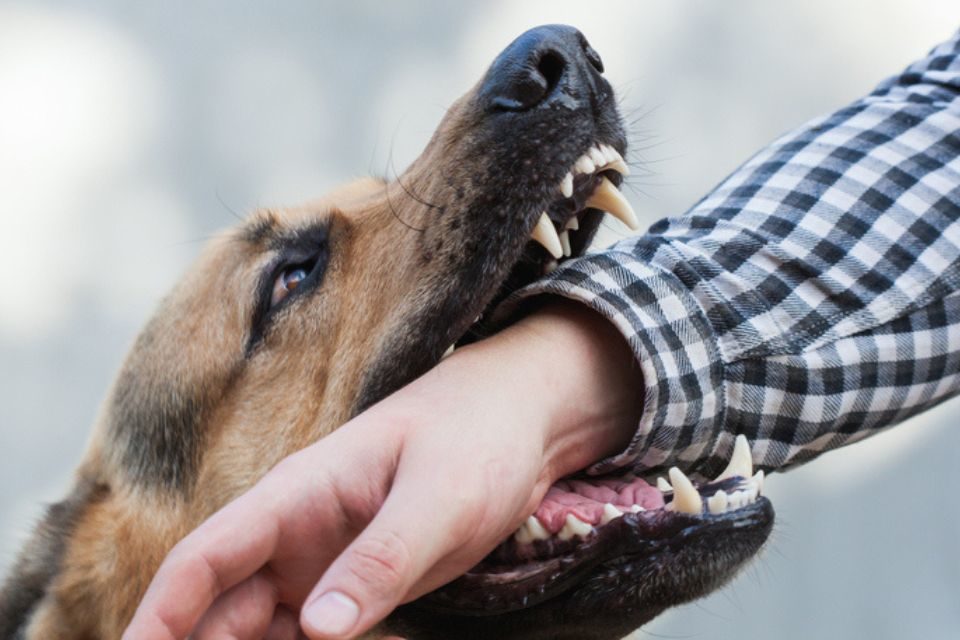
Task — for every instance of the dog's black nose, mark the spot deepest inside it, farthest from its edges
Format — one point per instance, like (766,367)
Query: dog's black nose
(552,63)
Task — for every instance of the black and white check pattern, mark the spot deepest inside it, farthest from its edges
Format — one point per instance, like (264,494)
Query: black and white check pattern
(811,299)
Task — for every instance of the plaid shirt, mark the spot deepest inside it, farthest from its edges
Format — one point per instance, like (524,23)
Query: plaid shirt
(811,300)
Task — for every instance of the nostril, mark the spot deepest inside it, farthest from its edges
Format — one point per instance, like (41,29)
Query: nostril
(551,67)
(594,58)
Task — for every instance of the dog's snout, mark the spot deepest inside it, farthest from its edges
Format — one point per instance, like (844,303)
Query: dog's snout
(552,63)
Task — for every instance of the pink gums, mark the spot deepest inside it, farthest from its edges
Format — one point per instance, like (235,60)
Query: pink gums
(585,500)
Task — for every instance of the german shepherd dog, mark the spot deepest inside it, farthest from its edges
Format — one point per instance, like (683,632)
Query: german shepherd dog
(300,318)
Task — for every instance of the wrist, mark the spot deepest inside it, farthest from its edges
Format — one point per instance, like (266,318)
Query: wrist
(583,384)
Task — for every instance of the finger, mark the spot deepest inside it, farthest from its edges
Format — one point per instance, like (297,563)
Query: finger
(371,577)
(284,626)
(245,611)
(229,547)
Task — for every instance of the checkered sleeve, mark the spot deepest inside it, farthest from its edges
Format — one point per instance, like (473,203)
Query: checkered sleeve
(810,300)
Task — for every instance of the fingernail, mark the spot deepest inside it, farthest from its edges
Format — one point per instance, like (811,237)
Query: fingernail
(333,613)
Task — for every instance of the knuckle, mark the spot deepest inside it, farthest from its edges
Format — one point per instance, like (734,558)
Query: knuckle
(381,563)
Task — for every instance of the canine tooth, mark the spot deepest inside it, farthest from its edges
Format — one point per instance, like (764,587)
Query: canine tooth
(751,494)
(741,462)
(537,530)
(597,156)
(717,504)
(573,224)
(610,512)
(545,234)
(608,198)
(635,508)
(663,485)
(574,527)
(566,185)
(686,499)
(565,242)
(585,165)
(447,352)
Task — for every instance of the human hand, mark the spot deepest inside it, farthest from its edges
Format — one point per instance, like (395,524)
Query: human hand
(406,496)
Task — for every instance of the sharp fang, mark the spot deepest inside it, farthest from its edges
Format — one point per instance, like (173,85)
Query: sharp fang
(609,199)
(635,508)
(447,352)
(566,185)
(573,224)
(550,267)
(718,503)
(610,512)
(597,156)
(663,485)
(584,165)
(545,234)
(574,527)
(565,242)
(537,530)
(686,499)
(741,463)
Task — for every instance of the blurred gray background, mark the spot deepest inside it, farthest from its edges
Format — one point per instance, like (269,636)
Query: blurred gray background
(130,131)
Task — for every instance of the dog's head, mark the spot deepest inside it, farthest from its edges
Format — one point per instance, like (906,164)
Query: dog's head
(303,317)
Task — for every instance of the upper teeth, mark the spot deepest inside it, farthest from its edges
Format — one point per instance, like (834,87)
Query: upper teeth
(546,234)
(606,197)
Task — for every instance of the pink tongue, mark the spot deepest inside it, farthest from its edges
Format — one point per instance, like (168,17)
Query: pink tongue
(585,500)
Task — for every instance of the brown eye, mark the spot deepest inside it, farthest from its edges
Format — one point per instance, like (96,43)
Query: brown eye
(287,282)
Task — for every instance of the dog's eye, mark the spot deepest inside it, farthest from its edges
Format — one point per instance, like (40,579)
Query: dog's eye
(287,282)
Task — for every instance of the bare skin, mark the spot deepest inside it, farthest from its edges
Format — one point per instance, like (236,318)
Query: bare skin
(406,496)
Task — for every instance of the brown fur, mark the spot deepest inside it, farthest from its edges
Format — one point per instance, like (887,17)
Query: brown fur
(208,401)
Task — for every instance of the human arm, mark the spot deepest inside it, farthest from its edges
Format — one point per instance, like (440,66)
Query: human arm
(810,299)
(778,277)
(409,494)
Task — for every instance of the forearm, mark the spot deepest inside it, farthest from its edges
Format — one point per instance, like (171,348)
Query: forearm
(587,382)
(844,229)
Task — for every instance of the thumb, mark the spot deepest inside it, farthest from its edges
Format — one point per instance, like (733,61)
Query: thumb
(380,567)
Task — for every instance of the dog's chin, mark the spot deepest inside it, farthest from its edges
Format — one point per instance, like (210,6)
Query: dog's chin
(602,556)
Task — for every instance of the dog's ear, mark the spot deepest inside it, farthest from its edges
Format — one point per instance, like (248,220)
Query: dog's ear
(178,370)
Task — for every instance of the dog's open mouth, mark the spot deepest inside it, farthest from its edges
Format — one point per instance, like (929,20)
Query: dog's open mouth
(625,525)
(565,228)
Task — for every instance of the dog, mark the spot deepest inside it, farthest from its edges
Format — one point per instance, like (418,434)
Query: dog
(300,318)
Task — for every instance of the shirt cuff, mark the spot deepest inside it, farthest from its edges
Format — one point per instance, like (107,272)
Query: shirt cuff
(673,342)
